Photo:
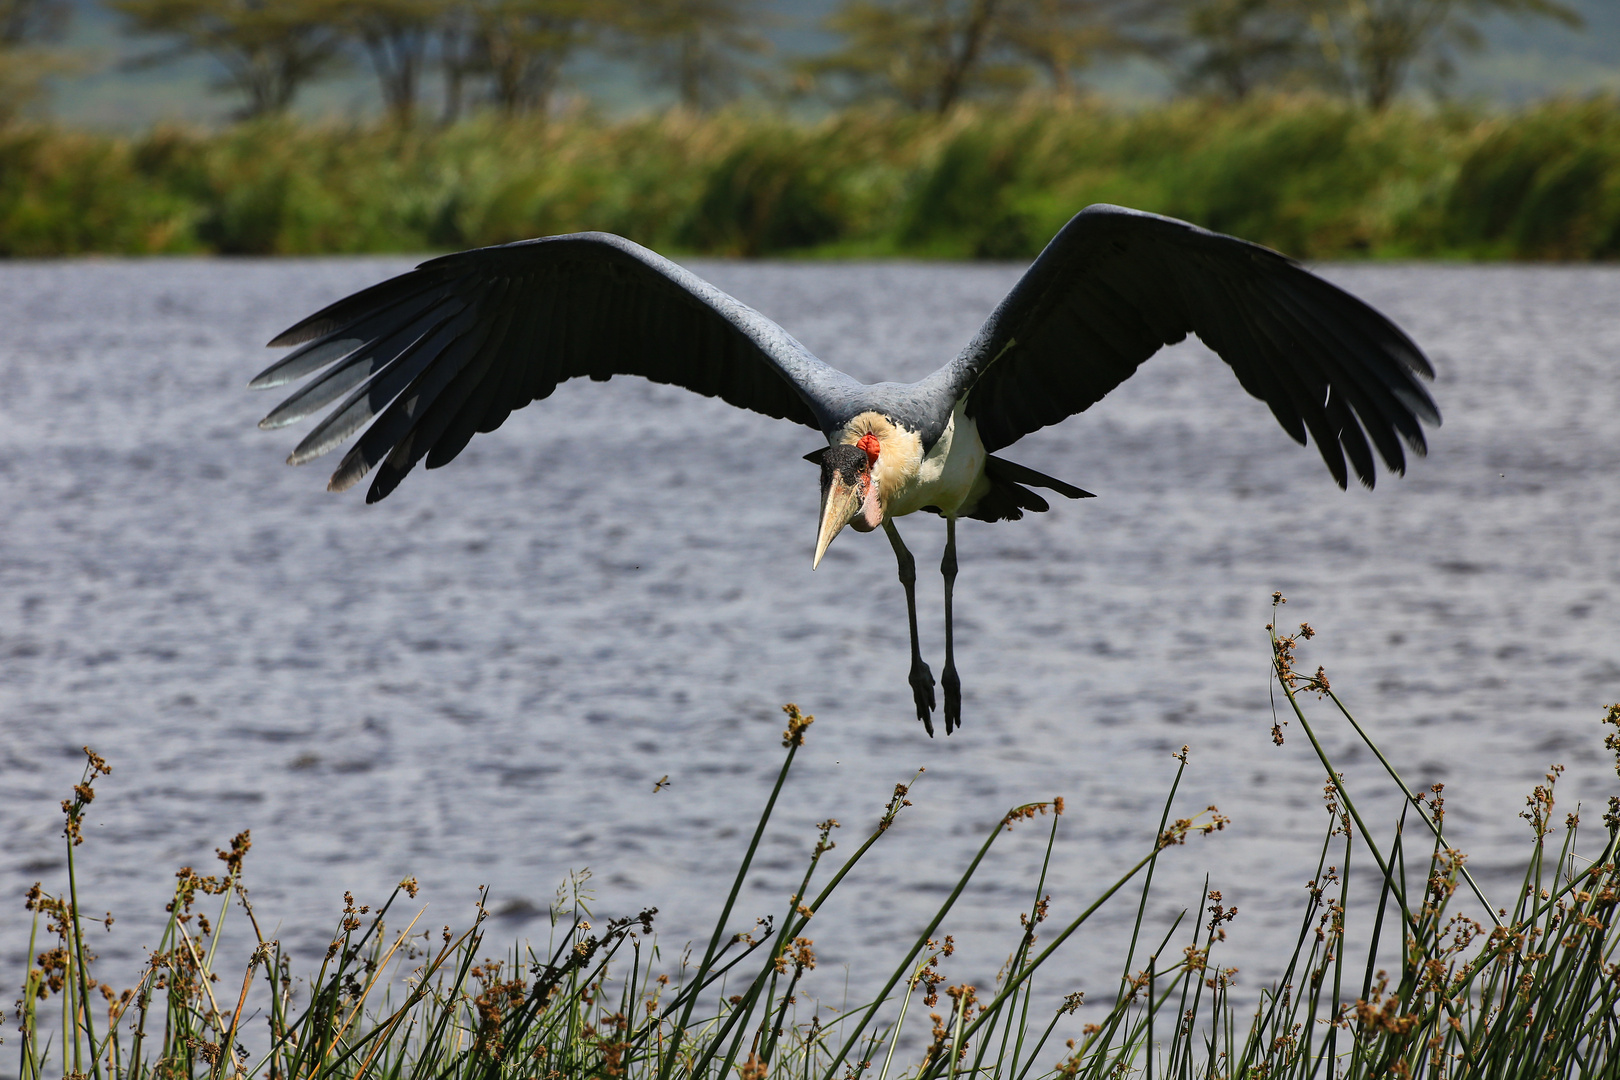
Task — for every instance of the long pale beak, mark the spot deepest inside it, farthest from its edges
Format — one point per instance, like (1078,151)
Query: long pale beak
(840,502)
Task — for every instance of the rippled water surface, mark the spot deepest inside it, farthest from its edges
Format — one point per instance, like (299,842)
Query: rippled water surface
(480,680)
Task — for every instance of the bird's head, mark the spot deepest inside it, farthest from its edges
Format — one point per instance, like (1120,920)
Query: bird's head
(850,492)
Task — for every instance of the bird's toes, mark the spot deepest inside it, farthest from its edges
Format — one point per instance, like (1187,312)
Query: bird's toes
(922,693)
(953,699)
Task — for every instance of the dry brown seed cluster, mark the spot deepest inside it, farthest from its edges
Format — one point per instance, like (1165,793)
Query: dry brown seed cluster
(824,843)
(1042,906)
(1029,810)
(84,793)
(964,1003)
(1330,923)
(1330,798)
(1434,801)
(1283,660)
(797,723)
(1611,717)
(207,1050)
(1539,803)
(1219,915)
(929,976)
(497,998)
(896,803)
(1383,1014)
(799,954)
(240,843)
(1178,831)
(761,931)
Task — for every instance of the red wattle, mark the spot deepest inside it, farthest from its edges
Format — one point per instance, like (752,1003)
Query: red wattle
(870,444)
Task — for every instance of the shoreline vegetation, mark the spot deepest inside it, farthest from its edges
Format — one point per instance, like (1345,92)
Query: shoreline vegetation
(1443,983)
(1313,176)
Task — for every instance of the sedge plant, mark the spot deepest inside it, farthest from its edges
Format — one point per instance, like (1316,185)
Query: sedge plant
(1444,985)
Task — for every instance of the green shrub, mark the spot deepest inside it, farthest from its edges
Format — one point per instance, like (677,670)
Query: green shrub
(1545,185)
(1314,177)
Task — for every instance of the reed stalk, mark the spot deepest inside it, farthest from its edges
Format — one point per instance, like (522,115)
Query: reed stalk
(1445,988)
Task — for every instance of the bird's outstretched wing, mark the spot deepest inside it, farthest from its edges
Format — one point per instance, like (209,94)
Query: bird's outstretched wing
(1115,285)
(450,349)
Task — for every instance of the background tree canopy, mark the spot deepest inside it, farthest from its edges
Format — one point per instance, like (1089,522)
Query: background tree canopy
(443,58)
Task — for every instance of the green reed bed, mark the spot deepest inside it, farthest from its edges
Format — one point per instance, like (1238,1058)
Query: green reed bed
(1446,983)
(1315,177)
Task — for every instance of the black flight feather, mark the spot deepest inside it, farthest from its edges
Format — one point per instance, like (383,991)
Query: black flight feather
(432,357)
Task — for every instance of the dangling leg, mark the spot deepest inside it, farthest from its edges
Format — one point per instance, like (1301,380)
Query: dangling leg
(922,680)
(947,678)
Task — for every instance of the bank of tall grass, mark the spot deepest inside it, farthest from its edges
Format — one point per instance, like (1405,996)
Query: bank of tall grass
(1315,177)
(1437,980)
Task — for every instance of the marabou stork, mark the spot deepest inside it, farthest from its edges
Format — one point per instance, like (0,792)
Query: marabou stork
(449,349)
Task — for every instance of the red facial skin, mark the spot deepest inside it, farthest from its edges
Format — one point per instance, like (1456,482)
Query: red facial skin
(872,510)
(870,444)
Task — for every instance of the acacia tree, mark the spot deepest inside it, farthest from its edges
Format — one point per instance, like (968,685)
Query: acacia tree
(1235,47)
(930,54)
(520,46)
(26,25)
(924,53)
(395,35)
(456,48)
(1366,48)
(1378,42)
(29,22)
(1063,37)
(697,48)
(268,49)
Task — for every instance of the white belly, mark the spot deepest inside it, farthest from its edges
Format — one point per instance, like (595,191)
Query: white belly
(950,476)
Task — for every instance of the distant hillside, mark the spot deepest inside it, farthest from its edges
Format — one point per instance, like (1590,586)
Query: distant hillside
(1527,60)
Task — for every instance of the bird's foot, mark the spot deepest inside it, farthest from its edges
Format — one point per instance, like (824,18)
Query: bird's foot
(953,698)
(922,693)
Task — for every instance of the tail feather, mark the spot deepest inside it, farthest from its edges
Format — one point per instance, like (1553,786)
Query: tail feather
(1008,498)
(1002,469)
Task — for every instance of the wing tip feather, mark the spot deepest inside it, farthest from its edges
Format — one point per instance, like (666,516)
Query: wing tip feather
(344,479)
(300,332)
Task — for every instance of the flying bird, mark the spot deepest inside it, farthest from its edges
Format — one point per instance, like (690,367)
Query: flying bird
(431,357)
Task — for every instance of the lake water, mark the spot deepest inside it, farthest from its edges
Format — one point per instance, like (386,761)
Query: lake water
(480,680)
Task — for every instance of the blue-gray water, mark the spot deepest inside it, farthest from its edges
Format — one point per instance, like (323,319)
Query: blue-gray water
(480,680)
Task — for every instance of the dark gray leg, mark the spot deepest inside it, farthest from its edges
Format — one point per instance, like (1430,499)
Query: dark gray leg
(922,680)
(947,678)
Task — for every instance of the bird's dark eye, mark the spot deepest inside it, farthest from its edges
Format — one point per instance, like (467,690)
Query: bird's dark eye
(845,461)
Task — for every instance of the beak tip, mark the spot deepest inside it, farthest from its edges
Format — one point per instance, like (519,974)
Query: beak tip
(839,505)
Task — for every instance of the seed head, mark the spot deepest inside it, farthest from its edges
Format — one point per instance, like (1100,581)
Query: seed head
(797,723)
